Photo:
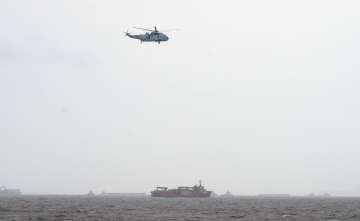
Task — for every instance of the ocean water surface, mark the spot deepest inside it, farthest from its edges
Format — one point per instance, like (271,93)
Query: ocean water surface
(147,208)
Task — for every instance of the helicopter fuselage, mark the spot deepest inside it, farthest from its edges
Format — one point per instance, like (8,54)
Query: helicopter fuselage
(150,37)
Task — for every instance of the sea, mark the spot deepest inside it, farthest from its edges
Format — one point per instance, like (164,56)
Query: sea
(66,208)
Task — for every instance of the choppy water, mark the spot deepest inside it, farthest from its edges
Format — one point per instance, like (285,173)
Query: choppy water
(239,208)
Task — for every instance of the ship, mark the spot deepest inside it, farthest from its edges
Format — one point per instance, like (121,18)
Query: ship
(197,191)
(5,192)
(227,195)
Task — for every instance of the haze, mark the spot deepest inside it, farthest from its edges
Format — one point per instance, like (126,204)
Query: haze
(251,96)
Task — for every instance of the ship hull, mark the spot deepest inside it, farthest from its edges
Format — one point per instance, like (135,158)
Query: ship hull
(185,194)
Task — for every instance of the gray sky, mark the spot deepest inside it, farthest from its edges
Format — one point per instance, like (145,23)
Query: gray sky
(252,96)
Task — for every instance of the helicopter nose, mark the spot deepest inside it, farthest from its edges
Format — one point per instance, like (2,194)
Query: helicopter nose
(166,38)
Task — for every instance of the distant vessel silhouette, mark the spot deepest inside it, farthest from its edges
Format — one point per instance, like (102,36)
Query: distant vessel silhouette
(90,194)
(227,194)
(9,192)
(182,191)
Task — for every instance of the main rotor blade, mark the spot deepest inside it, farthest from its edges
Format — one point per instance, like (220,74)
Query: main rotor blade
(144,29)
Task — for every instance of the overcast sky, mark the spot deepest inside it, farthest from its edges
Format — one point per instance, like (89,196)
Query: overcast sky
(252,96)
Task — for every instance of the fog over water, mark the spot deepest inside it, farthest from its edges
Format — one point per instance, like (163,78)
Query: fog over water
(251,96)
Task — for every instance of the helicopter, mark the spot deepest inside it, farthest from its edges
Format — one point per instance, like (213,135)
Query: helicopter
(149,36)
